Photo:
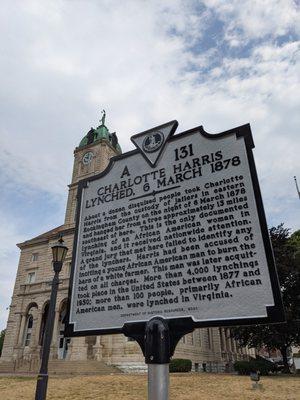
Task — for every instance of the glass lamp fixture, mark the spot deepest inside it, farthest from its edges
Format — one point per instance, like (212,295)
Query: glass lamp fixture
(59,251)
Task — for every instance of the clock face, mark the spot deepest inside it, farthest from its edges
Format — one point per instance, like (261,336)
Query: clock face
(87,158)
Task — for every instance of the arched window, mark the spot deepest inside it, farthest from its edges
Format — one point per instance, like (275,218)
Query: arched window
(63,342)
(28,329)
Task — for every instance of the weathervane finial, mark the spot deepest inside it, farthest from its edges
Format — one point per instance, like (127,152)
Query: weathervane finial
(103,117)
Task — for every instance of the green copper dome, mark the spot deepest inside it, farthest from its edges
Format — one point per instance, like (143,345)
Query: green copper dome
(101,133)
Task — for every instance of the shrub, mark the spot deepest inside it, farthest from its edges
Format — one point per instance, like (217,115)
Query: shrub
(180,365)
(259,364)
(242,367)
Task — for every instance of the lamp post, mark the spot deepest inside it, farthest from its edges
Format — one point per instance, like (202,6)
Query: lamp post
(59,251)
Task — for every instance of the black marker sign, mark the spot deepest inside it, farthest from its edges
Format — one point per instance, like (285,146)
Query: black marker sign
(175,229)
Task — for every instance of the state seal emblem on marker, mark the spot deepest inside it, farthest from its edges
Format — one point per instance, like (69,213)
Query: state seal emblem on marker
(153,142)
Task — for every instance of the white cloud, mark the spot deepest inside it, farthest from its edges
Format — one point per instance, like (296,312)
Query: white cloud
(253,19)
(61,63)
(72,60)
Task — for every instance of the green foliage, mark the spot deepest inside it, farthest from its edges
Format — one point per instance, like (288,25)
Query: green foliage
(245,367)
(280,336)
(295,241)
(180,365)
(2,335)
(295,238)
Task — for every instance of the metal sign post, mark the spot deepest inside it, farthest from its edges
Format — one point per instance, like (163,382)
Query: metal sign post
(158,381)
(157,356)
(158,339)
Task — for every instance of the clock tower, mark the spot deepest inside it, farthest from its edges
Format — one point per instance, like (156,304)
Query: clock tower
(90,158)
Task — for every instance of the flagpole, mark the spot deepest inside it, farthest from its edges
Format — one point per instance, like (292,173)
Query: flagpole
(297,188)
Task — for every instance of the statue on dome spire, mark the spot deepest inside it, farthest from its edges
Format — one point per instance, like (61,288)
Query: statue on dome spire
(103,117)
(101,133)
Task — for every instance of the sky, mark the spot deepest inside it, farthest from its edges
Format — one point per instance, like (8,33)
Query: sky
(215,63)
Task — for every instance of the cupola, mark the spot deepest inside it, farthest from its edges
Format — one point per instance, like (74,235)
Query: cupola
(101,133)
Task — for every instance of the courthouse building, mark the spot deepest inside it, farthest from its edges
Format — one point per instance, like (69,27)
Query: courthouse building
(210,349)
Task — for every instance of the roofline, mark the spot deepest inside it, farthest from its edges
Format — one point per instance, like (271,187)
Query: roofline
(46,237)
(102,140)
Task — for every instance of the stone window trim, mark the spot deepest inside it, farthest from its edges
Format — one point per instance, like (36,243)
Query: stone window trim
(68,269)
(34,256)
(31,268)
(31,277)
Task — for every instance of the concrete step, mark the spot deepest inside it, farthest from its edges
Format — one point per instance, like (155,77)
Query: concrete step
(61,367)
(81,367)
(133,367)
(25,365)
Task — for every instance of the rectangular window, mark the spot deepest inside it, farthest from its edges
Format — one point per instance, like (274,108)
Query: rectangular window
(69,268)
(31,277)
(28,330)
(34,256)
(27,338)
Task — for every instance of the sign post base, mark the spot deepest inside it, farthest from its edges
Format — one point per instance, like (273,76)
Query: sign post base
(158,339)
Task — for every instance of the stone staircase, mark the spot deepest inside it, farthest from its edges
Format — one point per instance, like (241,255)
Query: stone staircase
(59,367)
(7,366)
(24,365)
(91,367)
(133,367)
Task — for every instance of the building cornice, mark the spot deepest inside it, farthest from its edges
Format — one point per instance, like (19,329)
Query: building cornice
(47,236)
(90,146)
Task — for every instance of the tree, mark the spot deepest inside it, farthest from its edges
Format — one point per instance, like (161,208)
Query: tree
(2,335)
(280,336)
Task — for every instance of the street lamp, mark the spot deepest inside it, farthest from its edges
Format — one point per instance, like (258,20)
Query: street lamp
(59,252)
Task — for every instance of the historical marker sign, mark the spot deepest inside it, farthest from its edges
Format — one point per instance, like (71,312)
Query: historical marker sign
(175,229)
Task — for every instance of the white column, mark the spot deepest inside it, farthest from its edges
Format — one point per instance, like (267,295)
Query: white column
(223,339)
(38,327)
(37,315)
(110,347)
(54,340)
(78,349)
(55,329)
(22,328)
(98,349)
